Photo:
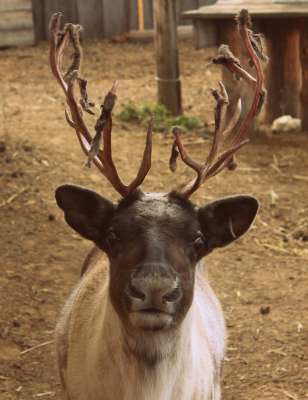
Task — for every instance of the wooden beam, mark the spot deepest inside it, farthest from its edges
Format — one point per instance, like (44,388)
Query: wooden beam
(148,12)
(205,33)
(14,21)
(292,71)
(115,17)
(140,15)
(15,5)
(16,38)
(39,19)
(167,60)
(259,9)
(89,20)
(283,73)
(304,62)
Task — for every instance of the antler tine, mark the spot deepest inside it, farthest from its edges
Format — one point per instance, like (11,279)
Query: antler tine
(247,36)
(217,161)
(222,102)
(54,47)
(59,41)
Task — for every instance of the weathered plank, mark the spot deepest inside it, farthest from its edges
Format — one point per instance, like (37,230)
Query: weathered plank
(38,14)
(19,38)
(291,65)
(148,14)
(304,62)
(260,9)
(16,20)
(205,33)
(16,24)
(67,7)
(92,22)
(15,5)
(283,73)
(115,19)
(133,15)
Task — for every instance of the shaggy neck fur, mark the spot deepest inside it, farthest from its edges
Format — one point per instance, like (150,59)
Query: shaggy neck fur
(98,360)
(159,365)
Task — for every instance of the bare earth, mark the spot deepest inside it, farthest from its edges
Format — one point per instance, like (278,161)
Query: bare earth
(261,280)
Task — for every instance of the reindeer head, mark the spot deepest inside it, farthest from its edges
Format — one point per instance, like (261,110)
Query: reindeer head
(154,241)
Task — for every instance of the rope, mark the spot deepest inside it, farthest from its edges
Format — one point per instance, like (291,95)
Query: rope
(157,78)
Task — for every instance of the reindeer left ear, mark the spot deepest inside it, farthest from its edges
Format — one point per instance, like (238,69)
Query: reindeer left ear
(85,211)
(225,220)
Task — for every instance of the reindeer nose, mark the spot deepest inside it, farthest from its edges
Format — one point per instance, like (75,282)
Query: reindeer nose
(153,292)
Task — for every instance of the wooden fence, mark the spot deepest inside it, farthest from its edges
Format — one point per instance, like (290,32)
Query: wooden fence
(16,25)
(102,18)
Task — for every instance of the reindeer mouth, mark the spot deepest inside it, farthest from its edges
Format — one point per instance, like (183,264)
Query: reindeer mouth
(152,310)
(151,318)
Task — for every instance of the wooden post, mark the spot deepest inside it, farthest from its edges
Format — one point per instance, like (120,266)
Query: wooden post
(205,33)
(304,61)
(167,60)
(292,71)
(140,15)
(283,73)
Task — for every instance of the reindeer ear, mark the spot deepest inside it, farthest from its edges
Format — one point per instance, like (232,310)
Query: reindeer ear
(225,220)
(85,211)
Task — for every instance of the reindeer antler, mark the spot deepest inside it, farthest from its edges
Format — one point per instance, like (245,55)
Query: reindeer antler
(224,135)
(59,41)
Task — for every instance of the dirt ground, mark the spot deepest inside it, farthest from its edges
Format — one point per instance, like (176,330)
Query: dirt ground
(261,280)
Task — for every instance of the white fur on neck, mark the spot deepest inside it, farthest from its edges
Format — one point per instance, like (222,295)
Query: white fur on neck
(101,364)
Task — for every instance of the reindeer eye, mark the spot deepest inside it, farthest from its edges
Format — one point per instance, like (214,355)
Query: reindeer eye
(112,241)
(199,241)
(196,246)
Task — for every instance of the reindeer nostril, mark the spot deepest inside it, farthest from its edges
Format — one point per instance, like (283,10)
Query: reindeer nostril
(173,295)
(134,292)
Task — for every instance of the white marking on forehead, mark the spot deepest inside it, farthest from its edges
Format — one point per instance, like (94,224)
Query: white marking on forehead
(157,205)
(154,196)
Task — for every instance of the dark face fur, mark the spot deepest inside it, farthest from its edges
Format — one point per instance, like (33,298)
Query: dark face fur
(153,249)
(154,242)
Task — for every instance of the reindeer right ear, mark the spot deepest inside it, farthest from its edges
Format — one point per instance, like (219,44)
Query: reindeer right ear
(85,211)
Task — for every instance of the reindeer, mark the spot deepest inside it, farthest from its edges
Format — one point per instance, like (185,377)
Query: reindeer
(143,322)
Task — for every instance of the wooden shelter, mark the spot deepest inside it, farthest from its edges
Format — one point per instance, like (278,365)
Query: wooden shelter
(286,30)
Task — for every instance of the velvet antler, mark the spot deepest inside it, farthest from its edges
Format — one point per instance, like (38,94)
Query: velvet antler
(60,39)
(227,140)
